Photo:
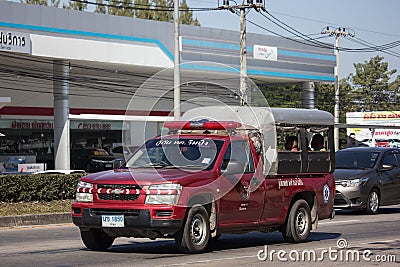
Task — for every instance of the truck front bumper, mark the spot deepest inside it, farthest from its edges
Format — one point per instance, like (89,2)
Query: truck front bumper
(136,222)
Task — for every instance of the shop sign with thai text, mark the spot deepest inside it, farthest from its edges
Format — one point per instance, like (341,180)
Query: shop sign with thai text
(11,41)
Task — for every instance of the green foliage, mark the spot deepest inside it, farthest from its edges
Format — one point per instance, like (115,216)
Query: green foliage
(282,95)
(100,7)
(40,187)
(371,89)
(160,10)
(324,96)
(186,16)
(55,3)
(35,2)
(146,12)
(162,15)
(76,5)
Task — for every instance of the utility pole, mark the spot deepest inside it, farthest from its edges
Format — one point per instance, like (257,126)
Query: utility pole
(337,32)
(243,53)
(177,76)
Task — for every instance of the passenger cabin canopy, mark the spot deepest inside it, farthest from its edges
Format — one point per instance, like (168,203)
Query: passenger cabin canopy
(264,123)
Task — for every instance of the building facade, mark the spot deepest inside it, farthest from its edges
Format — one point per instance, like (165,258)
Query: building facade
(72,77)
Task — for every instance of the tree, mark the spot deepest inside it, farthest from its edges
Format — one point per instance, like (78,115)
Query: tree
(186,16)
(35,2)
(120,8)
(143,9)
(281,95)
(100,7)
(161,14)
(55,3)
(76,5)
(371,87)
(324,96)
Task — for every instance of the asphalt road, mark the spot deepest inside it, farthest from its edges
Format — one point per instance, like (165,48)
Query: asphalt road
(367,240)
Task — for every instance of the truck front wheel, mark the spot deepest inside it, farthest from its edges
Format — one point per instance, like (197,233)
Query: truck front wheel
(195,232)
(298,224)
(96,239)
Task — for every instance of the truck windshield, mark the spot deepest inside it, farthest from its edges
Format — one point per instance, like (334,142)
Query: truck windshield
(185,153)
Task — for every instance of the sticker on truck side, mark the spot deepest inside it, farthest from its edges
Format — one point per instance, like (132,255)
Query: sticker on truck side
(289,182)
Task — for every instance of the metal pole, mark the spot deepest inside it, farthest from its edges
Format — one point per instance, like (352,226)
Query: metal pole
(337,92)
(177,78)
(243,68)
(308,95)
(61,114)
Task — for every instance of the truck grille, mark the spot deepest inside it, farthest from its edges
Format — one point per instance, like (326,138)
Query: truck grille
(119,186)
(118,192)
(123,197)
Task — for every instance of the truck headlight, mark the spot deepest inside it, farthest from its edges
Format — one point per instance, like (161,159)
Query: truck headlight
(82,184)
(355,182)
(84,192)
(163,194)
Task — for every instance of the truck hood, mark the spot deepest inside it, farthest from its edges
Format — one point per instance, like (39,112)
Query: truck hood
(146,176)
(349,174)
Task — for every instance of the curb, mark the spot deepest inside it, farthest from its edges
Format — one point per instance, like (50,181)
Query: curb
(35,219)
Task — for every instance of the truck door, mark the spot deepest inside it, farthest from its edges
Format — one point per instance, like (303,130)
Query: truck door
(242,194)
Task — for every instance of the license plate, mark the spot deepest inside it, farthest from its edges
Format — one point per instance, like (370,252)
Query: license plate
(112,221)
(108,165)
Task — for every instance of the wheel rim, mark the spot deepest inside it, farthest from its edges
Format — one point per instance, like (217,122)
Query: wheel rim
(301,222)
(373,201)
(198,230)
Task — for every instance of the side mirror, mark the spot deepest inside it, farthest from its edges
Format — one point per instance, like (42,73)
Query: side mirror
(233,167)
(117,163)
(386,167)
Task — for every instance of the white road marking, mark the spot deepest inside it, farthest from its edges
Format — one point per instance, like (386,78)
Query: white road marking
(211,260)
(339,222)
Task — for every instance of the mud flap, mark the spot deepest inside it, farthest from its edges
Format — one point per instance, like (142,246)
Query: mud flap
(213,220)
(314,215)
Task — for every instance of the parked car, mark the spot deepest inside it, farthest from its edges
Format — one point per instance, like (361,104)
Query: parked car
(382,142)
(91,159)
(395,143)
(367,178)
(123,151)
(61,172)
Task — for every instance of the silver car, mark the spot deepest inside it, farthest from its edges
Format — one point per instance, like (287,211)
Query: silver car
(367,178)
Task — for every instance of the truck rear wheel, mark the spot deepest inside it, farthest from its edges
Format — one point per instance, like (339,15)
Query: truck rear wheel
(195,232)
(96,239)
(298,224)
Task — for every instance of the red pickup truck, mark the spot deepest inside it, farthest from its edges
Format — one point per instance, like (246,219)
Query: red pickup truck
(218,170)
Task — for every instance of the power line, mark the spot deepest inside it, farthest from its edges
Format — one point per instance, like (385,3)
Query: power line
(363,42)
(330,23)
(144,7)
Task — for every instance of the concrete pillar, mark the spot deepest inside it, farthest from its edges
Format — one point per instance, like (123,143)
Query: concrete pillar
(61,114)
(307,95)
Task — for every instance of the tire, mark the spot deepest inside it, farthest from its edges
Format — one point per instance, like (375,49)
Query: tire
(96,239)
(373,202)
(194,235)
(298,225)
(88,168)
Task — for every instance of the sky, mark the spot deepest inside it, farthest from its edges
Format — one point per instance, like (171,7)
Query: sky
(373,21)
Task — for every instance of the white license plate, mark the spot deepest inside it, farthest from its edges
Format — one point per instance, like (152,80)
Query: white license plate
(108,165)
(112,221)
